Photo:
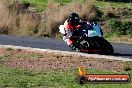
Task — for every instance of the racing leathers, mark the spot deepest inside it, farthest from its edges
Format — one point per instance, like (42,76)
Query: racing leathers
(70,30)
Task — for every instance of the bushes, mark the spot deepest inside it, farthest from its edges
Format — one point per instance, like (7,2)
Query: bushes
(22,21)
(17,19)
(120,27)
(127,1)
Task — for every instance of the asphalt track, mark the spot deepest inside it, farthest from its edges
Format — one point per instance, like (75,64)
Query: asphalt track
(122,50)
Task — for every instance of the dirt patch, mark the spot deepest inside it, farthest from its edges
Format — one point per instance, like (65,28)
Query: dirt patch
(2,52)
(51,61)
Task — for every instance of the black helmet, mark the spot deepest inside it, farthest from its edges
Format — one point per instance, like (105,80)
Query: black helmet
(73,18)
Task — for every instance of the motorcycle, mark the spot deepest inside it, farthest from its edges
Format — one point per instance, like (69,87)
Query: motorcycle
(91,39)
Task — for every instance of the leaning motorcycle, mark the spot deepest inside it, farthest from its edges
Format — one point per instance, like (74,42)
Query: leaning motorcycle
(91,39)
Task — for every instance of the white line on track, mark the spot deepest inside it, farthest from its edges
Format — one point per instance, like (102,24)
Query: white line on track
(67,52)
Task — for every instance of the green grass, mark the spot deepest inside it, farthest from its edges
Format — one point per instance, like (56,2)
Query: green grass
(13,78)
(35,1)
(45,1)
(114,37)
(20,78)
(113,4)
(42,3)
(39,5)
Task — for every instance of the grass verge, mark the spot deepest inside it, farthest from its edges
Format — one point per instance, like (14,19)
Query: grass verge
(11,77)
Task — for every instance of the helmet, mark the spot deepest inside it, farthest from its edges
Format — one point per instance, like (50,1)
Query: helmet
(73,18)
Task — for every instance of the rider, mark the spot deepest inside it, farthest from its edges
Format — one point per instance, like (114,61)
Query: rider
(71,25)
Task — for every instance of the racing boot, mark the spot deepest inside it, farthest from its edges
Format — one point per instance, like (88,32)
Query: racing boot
(77,49)
(72,47)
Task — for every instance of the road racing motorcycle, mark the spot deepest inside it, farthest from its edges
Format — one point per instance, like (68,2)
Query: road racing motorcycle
(90,39)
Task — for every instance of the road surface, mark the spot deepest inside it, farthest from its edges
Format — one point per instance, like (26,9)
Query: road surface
(123,50)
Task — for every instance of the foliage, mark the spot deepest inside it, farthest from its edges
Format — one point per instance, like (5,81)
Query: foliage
(120,27)
(42,17)
(127,1)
